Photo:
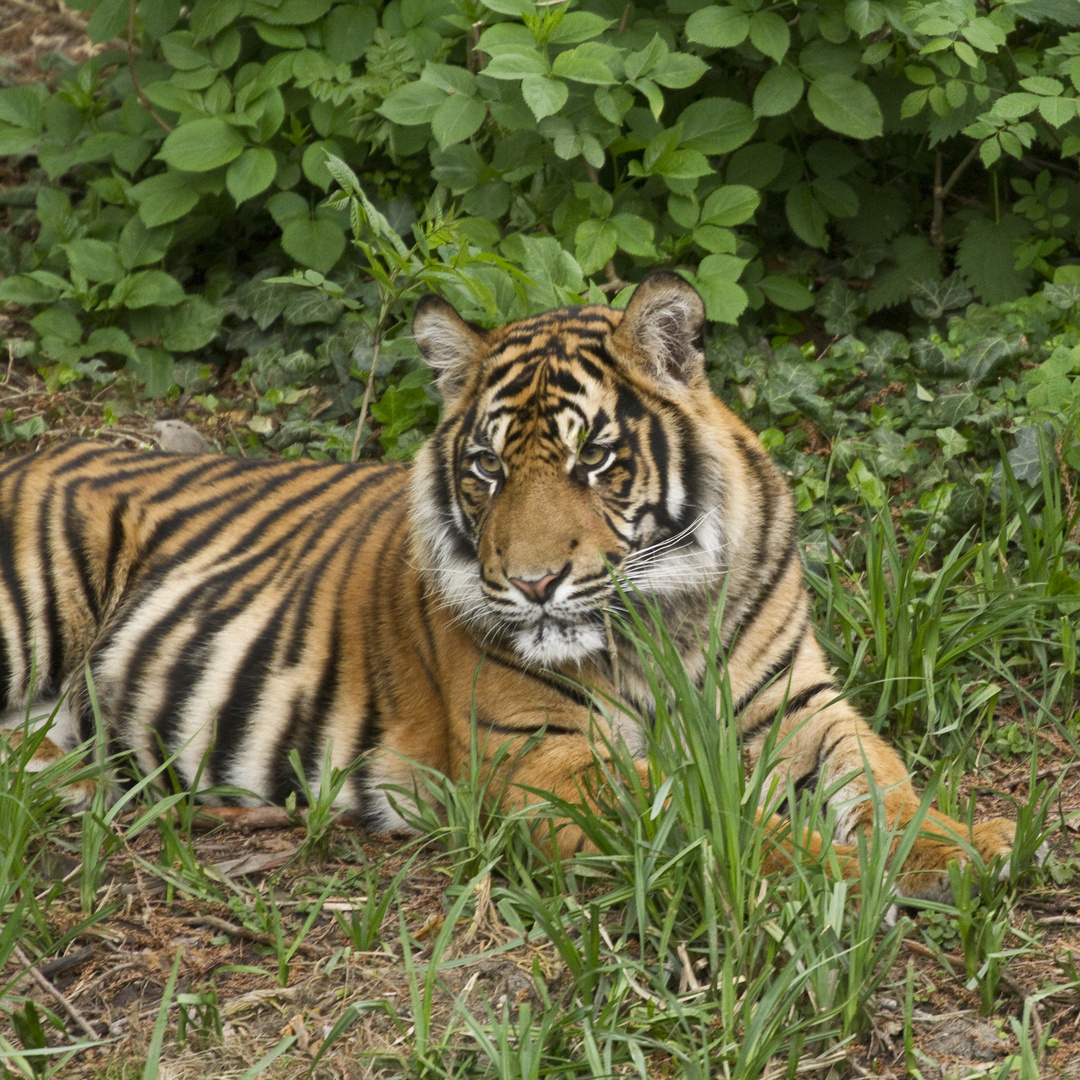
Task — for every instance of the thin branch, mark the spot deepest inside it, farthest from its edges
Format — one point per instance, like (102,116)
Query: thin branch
(131,67)
(941,193)
(53,992)
(377,345)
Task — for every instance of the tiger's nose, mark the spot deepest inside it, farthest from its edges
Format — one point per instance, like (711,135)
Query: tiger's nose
(538,589)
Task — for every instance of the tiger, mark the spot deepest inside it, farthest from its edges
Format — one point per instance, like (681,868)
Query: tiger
(231,611)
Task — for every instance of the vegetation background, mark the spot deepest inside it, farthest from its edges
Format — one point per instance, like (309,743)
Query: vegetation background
(220,214)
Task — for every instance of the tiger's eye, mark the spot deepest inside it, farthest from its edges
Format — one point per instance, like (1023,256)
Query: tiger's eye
(592,456)
(488,463)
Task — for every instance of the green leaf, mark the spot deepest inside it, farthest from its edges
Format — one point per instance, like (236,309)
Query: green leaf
(316,242)
(778,92)
(111,339)
(14,142)
(108,21)
(578,26)
(252,173)
(716,125)
(210,17)
(165,197)
(915,261)
(730,205)
(411,104)
(846,106)
(718,27)
(182,53)
(1058,111)
(60,323)
(585,64)
(286,206)
(153,367)
(984,35)
(96,260)
(456,119)
(594,243)
(22,289)
(202,145)
(724,300)
(986,257)
(516,65)
(545,96)
(147,287)
(679,70)
(770,34)
(191,325)
(866,484)
(314,162)
(22,106)
(634,234)
(806,216)
(786,293)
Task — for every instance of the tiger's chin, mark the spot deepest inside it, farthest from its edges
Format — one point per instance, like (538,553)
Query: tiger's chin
(553,644)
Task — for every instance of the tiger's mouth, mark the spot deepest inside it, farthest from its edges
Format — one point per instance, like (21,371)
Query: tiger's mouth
(554,642)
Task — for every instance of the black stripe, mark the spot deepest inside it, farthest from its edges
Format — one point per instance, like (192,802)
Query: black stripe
(112,551)
(769,585)
(780,664)
(524,732)
(74,534)
(49,675)
(567,688)
(802,698)
(9,577)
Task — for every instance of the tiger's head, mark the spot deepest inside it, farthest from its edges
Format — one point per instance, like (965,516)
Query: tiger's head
(575,443)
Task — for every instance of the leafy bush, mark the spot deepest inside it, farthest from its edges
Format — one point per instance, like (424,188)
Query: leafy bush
(853,153)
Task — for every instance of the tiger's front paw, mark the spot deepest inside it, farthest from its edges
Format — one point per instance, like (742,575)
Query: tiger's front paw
(925,874)
(997,837)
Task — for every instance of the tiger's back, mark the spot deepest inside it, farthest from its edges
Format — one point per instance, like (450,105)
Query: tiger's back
(232,610)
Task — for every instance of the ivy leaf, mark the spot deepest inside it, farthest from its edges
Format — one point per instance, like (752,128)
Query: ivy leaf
(202,145)
(544,95)
(846,106)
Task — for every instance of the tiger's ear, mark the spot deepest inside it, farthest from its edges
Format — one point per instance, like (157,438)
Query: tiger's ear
(663,327)
(449,343)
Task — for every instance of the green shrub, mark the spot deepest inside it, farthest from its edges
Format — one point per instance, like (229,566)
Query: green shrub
(860,154)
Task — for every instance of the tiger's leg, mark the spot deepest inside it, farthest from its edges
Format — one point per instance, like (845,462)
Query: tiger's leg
(61,739)
(827,741)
